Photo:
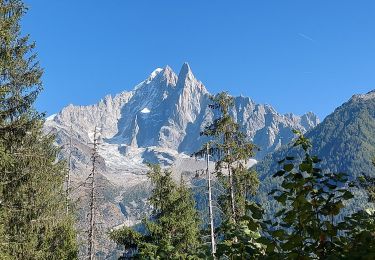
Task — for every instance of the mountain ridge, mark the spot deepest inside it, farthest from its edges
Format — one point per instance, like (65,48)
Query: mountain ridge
(344,141)
(187,100)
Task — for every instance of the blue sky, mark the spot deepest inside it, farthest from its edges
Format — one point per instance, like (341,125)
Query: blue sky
(298,56)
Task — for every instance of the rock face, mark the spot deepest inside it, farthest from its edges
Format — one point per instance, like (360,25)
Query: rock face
(160,120)
(169,111)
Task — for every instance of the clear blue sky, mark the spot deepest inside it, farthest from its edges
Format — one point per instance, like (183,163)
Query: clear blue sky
(276,52)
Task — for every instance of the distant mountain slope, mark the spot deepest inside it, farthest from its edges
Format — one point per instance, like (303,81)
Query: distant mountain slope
(345,141)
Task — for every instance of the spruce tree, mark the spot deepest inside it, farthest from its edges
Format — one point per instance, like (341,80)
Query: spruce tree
(129,239)
(231,151)
(33,221)
(172,230)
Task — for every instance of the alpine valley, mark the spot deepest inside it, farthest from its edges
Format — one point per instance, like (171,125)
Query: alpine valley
(159,121)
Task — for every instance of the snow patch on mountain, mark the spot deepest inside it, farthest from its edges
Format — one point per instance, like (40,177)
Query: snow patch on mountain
(145,110)
(168,112)
(51,117)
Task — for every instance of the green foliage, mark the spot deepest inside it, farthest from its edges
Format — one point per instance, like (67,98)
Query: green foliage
(368,183)
(128,238)
(172,230)
(344,141)
(307,225)
(61,243)
(241,240)
(33,223)
(174,224)
(231,151)
(361,243)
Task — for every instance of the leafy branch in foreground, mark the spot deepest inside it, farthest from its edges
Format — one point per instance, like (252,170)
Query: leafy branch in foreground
(307,225)
(362,223)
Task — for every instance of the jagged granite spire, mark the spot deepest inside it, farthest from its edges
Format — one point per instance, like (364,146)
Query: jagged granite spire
(185,74)
(176,113)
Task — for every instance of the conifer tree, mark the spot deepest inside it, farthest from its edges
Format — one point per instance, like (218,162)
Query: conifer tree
(129,239)
(172,230)
(33,222)
(231,151)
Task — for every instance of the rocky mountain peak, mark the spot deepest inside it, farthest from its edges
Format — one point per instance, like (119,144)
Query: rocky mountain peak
(160,77)
(188,82)
(309,120)
(185,72)
(169,111)
(368,96)
(170,76)
(185,76)
(154,74)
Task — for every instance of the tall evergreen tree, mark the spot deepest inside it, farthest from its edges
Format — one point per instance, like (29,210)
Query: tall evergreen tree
(231,151)
(172,230)
(33,220)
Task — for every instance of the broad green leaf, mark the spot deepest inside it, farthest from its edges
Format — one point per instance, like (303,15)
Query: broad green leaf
(305,167)
(281,161)
(348,195)
(279,174)
(282,198)
(288,167)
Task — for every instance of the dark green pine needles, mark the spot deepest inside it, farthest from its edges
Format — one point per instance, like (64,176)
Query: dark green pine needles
(33,221)
(173,229)
(231,151)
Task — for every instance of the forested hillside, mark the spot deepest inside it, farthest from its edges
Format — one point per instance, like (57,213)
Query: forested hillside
(345,142)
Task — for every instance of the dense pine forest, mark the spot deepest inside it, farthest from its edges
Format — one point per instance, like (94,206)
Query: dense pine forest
(227,220)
